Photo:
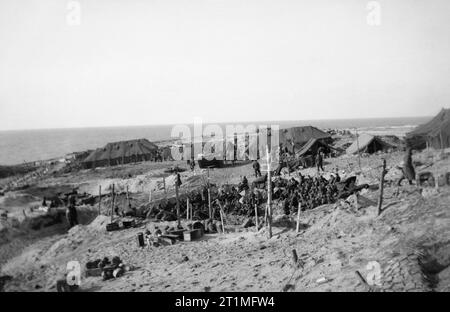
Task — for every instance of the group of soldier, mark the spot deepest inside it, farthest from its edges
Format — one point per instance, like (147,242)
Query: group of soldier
(308,192)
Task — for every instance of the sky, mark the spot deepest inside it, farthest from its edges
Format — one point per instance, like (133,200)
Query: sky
(144,62)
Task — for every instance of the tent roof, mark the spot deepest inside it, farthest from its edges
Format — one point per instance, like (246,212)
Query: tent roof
(434,126)
(363,141)
(123,149)
(301,135)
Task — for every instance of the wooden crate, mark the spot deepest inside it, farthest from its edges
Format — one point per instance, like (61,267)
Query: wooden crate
(112,227)
(192,235)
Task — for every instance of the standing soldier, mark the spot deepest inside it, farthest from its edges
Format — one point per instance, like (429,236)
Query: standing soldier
(319,160)
(71,212)
(408,171)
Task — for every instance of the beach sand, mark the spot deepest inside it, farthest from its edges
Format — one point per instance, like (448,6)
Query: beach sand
(335,240)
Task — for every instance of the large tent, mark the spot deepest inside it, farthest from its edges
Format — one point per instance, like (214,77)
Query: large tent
(435,133)
(122,153)
(312,146)
(292,139)
(366,143)
(308,152)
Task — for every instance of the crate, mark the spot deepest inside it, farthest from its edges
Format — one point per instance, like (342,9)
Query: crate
(140,239)
(192,235)
(426,179)
(128,223)
(112,226)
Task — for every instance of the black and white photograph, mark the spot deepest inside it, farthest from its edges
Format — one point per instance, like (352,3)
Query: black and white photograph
(241,147)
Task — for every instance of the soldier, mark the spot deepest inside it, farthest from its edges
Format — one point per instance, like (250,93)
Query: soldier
(319,160)
(71,213)
(178,179)
(244,184)
(408,171)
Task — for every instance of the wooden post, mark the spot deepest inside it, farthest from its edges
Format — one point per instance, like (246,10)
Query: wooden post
(265,216)
(209,202)
(221,219)
(150,196)
(380,199)
(256,217)
(128,198)
(269,193)
(99,199)
(221,216)
(178,203)
(188,210)
(112,203)
(298,217)
(164,185)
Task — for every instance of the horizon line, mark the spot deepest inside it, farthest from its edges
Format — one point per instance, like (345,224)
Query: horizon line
(207,123)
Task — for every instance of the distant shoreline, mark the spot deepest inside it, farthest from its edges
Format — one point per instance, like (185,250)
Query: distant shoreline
(27,146)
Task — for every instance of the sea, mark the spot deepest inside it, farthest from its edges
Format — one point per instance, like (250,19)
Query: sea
(21,146)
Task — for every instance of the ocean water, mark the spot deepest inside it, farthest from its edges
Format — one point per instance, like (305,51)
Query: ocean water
(31,145)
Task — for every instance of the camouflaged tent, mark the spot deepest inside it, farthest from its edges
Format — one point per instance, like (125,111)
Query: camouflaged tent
(123,152)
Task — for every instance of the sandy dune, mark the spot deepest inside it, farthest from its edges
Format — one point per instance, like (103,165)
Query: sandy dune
(408,241)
